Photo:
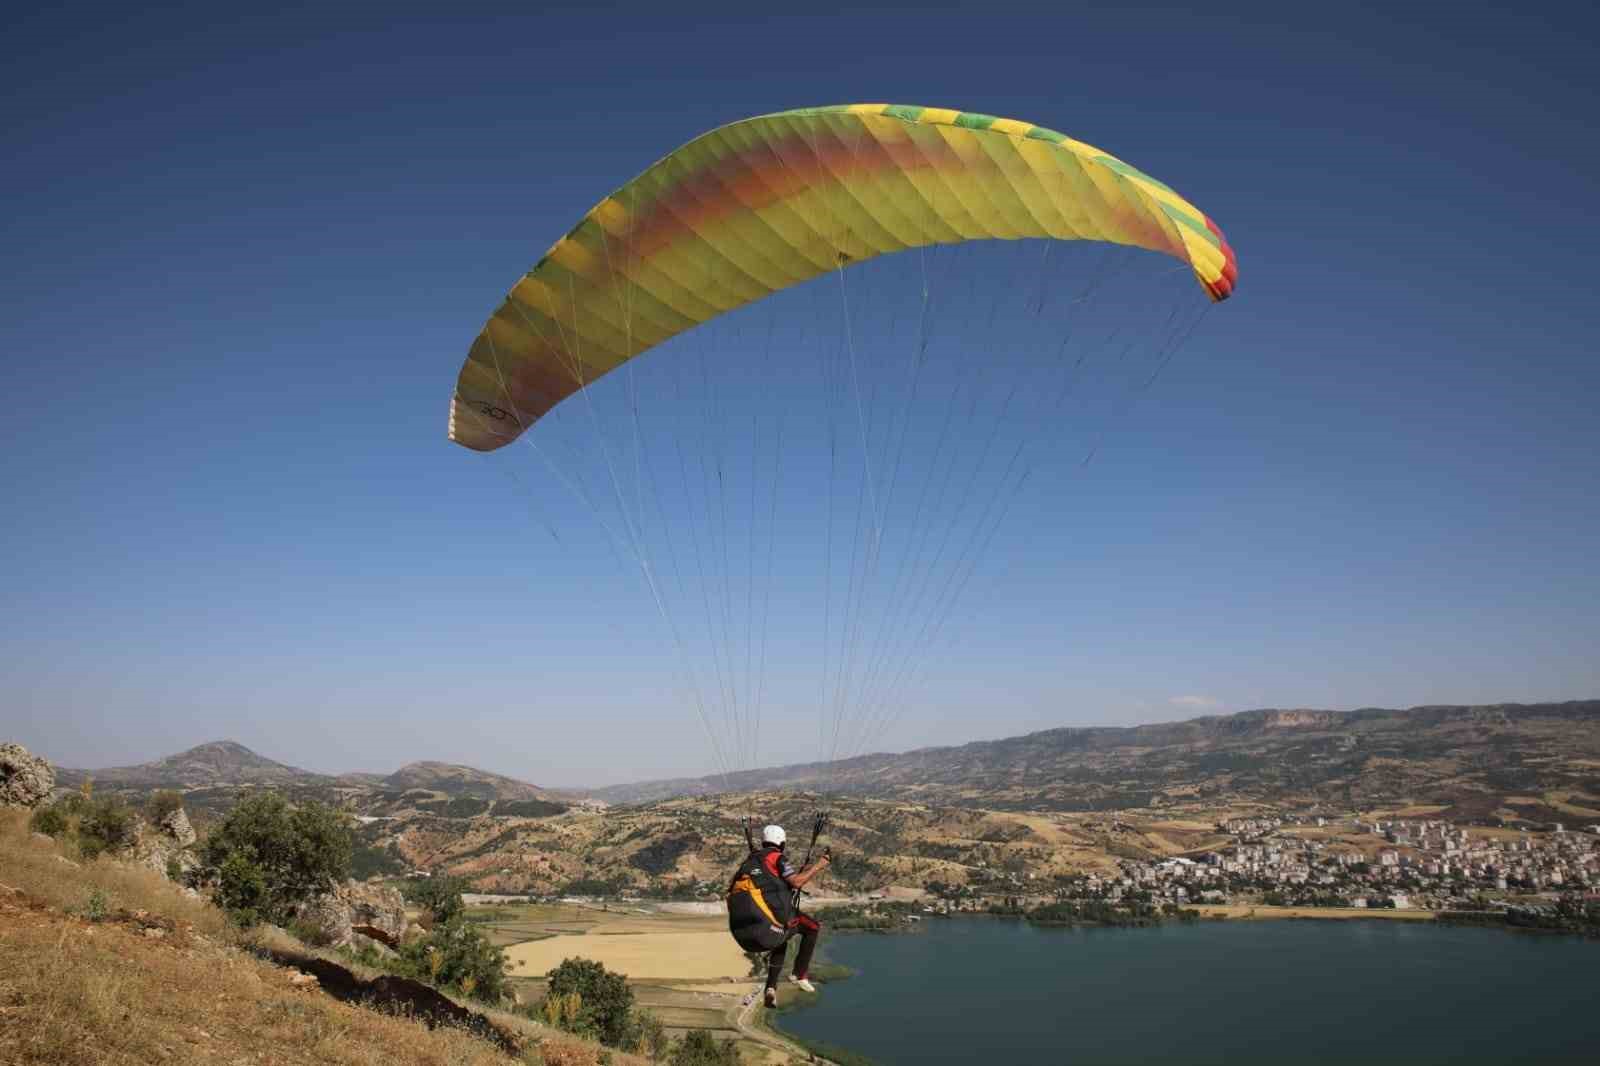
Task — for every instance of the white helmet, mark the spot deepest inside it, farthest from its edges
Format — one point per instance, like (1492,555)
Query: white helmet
(773,834)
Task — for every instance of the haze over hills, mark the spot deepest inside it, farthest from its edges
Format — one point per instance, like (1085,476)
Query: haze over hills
(220,762)
(454,780)
(1063,799)
(226,764)
(1353,758)
(1461,755)
(1049,803)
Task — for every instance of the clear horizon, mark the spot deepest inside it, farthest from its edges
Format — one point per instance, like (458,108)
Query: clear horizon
(248,251)
(303,764)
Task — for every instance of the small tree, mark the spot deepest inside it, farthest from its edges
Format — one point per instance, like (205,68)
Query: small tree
(456,955)
(700,1048)
(94,825)
(51,820)
(107,825)
(607,1001)
(440,895)
(561,1011)
(267,857)
(161,804)
(653,1039)
(242,890)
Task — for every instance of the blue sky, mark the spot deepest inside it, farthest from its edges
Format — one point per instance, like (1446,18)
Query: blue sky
(246,250)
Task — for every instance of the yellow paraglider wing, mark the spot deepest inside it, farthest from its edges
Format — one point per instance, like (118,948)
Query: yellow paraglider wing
(759,205)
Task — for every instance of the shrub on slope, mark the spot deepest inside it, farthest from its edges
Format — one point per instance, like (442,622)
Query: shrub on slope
(75,991)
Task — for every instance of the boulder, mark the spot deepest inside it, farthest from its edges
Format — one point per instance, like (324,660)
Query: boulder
(177,828)
(161,846)
(356,909)
(360,941)
(25,779)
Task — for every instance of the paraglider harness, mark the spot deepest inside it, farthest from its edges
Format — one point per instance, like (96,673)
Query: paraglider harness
(762,908)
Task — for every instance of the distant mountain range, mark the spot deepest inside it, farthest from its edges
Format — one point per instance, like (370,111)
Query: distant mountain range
(1465,756)
(943,813)
(219,763)
(225,764)
(1438,754)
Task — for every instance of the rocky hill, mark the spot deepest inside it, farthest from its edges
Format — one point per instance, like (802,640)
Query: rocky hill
(221,762)
(1452,754)
(1049,802)
(453,780)
(228,764)
(211,778)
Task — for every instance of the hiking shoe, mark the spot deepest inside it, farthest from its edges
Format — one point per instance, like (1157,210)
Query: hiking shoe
(772,997)
(805,985)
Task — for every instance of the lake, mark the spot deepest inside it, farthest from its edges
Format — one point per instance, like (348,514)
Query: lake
(992,991)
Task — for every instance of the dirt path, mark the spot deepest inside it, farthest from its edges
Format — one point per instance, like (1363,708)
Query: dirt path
(741,1013)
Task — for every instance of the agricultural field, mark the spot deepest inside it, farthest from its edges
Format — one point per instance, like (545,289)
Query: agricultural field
(683,968)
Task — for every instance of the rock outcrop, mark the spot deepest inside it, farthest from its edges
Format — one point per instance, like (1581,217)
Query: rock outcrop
(25,779)
(355,910)
(399,996)
(162,847)
(177,828)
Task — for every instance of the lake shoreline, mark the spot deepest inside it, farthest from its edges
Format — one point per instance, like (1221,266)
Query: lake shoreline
(1244,990)
(1250,912)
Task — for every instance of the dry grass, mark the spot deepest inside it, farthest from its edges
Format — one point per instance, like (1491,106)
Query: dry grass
(1569,802)
(72,991)
(77,991)
(641,956)
(647,946)
(39,868)
(569,1053)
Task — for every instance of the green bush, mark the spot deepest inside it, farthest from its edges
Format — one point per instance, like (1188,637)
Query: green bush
(606,1000)
(267,857)
(161,804)
(242,891)
(528,809)
(97,907)
(457,956)
(93,824)
(456,807)
(652,1038)
(51,820)
(440,895)
(368,861)
(700,1048)
(105,825)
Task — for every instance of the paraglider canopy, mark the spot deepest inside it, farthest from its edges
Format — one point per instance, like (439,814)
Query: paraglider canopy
(885,442)
(759,205)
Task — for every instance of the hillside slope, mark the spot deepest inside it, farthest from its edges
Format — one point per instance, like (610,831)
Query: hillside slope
(212,776)
(1354,758)
(104,963)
